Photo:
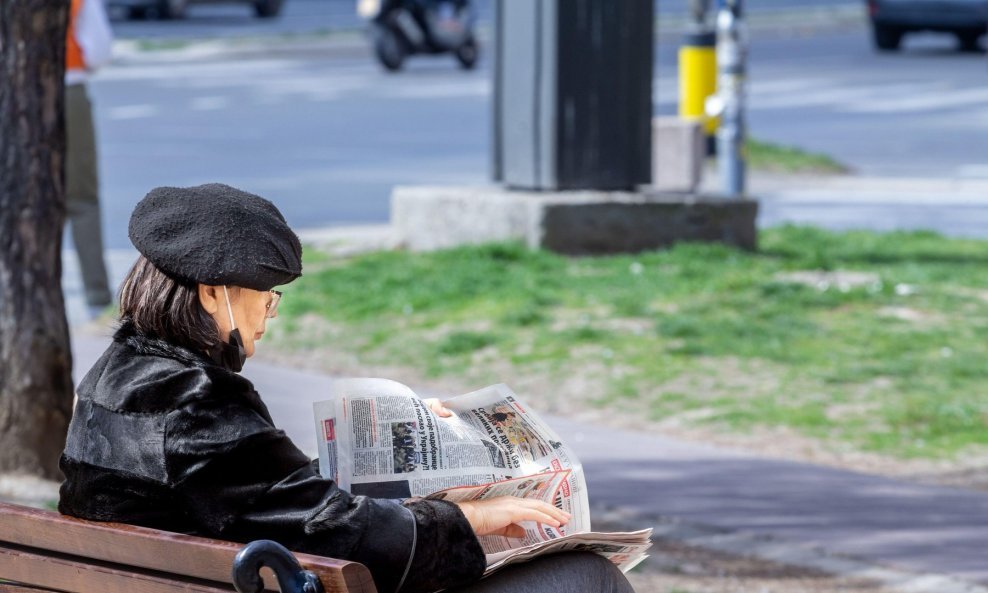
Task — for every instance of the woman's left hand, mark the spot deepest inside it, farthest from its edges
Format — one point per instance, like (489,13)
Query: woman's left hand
(437,407)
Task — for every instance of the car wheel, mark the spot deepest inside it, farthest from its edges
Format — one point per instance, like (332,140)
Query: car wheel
(468,53)
(969,41)
(267,9)
(390,50)
(887,38)
(172,9)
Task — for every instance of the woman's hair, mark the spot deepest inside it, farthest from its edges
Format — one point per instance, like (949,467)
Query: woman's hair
(162,307)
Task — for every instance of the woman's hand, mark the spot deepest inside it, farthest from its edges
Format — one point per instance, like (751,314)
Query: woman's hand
(437,407)
(501,515)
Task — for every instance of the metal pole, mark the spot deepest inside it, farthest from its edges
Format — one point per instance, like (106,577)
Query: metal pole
(731,58)
(698,10)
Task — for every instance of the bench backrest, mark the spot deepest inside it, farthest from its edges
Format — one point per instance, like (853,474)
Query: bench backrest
(49,550)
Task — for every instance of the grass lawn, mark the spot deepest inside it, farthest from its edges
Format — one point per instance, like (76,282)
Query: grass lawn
(766,156)
(877,342)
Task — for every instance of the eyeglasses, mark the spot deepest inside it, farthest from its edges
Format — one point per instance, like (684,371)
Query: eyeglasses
(272,307)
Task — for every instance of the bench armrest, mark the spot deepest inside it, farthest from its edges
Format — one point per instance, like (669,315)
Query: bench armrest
(292,578)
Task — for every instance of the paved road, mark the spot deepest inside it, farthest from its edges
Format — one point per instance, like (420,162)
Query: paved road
(328,136)
(921,112)
(315,16)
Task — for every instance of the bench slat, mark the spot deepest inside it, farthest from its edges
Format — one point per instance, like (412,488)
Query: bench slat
(65,574)
(154,549)
(12,588)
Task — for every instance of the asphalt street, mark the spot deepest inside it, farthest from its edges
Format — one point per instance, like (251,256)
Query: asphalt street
(920,112)
(328,135)
(234,19)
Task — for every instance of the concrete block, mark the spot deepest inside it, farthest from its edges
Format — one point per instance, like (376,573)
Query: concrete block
(581,222)
(678,152)
(650,222)
(425,218)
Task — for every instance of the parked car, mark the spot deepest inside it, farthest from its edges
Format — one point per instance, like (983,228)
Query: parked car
(892,19)
(175,9)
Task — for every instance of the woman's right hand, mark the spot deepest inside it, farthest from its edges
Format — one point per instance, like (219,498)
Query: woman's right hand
(501,515)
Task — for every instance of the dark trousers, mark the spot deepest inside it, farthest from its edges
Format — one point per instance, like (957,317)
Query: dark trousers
(569,572)
(82,194)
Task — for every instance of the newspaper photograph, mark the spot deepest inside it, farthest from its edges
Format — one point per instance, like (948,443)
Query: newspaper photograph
(529,443)
(378,438)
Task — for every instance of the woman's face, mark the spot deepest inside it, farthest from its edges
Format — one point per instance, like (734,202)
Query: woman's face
(251,310)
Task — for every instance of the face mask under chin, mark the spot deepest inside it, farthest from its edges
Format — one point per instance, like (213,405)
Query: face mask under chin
(231,355)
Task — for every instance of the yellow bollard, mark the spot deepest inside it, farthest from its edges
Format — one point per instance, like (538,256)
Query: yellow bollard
(698,80)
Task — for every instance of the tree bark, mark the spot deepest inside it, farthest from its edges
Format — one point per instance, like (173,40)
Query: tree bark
(35,356)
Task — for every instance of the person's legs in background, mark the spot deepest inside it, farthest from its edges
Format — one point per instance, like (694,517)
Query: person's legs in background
(82,196)
(572,572)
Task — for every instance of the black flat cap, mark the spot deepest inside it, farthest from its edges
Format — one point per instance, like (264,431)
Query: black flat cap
(216,234)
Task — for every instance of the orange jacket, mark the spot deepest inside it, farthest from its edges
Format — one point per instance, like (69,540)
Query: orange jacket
(74,59)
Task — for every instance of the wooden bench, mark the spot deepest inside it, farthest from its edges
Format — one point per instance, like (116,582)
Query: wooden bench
(46,551)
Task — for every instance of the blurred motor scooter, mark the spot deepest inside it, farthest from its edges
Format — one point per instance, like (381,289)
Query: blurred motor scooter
(400,28)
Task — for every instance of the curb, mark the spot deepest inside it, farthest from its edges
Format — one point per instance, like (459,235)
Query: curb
(338,44)
(787,553)
(779,19)
(351,240)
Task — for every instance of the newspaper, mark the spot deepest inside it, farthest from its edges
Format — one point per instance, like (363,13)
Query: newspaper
(378,438)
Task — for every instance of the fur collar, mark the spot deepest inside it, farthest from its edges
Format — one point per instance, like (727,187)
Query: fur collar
(223,380)
(141,343)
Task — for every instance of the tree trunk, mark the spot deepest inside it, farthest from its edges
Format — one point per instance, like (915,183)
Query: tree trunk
(35,357)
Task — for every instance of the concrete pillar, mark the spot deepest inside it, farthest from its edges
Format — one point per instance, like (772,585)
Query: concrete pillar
(573,94)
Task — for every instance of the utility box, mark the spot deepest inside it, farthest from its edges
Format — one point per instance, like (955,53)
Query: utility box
(573,94)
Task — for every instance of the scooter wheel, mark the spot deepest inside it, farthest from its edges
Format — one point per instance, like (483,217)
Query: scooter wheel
(467,54)
(390,51)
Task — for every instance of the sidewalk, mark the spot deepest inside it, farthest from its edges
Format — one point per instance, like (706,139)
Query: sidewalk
(908,537)
(955,207)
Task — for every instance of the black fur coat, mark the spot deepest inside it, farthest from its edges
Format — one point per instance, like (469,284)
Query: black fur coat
(164,438)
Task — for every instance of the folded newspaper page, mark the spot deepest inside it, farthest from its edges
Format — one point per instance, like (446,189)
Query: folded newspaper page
(379,439)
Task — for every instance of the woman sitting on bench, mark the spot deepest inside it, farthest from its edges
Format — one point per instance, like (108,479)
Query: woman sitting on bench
(167,434)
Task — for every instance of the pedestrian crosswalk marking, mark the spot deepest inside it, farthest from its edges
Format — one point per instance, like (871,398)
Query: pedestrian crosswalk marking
(131,111)
(846,96)
(209,103)
(923,101)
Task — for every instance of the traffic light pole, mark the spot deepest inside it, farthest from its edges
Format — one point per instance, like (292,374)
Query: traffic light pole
(729,102)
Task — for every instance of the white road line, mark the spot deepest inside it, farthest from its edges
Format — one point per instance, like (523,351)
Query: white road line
(228,70)
(791,85)
(843,98)
(465,88)
(975,171)
(209,103)
(837,95)
(929,101)
(131,112)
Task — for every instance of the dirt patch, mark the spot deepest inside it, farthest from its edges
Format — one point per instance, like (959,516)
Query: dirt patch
(674,567)
(971,293)
(842,280)
(910,315)
(677,567)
